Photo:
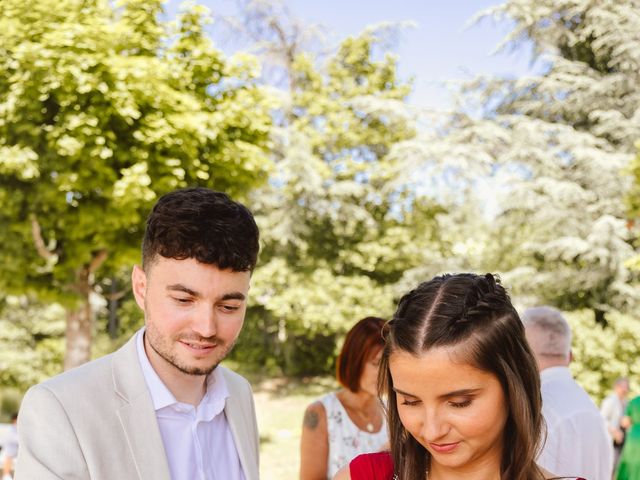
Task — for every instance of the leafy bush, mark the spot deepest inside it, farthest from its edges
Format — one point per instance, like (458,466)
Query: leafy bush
(603,354)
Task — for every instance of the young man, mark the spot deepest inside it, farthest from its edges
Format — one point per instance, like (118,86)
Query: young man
(161,408)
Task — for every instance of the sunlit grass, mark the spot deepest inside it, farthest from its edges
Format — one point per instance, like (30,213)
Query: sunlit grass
(280,404)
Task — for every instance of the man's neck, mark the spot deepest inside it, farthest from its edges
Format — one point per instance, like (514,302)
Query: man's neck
(185,388)
(548,362)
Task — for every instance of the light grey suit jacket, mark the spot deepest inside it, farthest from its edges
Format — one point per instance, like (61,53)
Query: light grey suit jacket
(98,422)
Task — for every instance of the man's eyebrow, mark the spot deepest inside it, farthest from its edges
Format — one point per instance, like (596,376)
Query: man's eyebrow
(181,288)
(227,296)
(233,296)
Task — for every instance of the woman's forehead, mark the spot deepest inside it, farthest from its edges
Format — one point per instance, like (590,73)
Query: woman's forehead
(438,367)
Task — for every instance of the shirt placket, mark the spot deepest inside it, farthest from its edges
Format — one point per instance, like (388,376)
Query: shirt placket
(199,450)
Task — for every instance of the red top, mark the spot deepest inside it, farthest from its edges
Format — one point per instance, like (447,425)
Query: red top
(379,466)
(372,466)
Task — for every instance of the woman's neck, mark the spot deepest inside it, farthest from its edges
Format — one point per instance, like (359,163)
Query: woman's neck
(363,409)
(359,400)
(482,470)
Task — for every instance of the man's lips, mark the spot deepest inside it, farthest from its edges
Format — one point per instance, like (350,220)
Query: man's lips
(198,346)
(444,447)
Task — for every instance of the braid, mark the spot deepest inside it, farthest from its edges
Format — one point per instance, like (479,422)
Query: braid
(483,300)
(474,315)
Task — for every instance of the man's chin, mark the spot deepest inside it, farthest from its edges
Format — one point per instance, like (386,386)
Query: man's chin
(196,370)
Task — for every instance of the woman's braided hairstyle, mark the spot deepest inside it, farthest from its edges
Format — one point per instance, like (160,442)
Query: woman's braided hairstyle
(474,314)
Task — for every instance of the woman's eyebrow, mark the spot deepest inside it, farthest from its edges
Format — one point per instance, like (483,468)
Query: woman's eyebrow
(403,393)
(460,393)
(454,393)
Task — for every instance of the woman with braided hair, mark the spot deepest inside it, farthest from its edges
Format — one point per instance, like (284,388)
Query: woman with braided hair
(462,387)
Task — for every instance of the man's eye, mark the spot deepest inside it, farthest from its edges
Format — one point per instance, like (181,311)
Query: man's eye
(182,301)
(229,308)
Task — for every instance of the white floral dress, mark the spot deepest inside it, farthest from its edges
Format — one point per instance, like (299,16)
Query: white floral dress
(346,440)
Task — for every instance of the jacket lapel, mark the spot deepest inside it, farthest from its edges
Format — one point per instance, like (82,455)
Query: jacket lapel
(137,415)
(237,420)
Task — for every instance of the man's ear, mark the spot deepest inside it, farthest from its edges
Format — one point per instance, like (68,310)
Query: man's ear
(139,285)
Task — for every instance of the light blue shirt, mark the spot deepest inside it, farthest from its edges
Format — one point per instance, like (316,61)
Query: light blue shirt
(197,440)
(577,444)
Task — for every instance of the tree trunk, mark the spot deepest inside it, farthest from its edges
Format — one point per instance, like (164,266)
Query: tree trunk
(114,321)
(600,317)
(79,329)
(78,335)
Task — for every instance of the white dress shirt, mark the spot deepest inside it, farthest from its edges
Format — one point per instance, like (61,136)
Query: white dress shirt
(197,440)
(578,444)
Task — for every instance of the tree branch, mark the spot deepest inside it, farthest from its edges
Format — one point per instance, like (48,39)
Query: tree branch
(115,296)
(97,260)
(36,233)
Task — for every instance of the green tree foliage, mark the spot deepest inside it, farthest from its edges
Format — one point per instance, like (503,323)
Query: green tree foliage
(603,354)
(633,204)
(633,199)
(103,107)
(31,337)
(338,229)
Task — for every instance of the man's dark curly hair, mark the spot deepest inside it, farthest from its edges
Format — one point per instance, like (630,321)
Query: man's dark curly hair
(203,224)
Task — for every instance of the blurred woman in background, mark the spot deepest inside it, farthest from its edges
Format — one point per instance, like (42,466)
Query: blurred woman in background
(629,466)
(351,421)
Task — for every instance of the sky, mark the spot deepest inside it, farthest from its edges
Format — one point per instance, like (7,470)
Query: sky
(440,47)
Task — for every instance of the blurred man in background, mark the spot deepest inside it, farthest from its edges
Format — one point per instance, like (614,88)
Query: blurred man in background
(577,443)
(612,410)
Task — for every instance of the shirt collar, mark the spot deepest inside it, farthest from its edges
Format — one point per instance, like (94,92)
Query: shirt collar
(555,373)
(211,404)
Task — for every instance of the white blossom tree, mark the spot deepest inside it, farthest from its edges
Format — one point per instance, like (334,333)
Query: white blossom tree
(557,143)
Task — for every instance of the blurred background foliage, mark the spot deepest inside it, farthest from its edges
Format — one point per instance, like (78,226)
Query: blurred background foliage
(104,106)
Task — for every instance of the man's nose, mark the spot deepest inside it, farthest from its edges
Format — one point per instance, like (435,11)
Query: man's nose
(205,322)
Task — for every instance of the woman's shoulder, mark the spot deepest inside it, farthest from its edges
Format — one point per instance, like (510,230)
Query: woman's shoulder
(327,401)
(555,477)
(550,476)
(314,416)
(376,466)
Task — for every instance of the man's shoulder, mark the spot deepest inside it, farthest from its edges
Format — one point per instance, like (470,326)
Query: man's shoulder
(79,387)
(609,401)
(566,399)
(88,377)
(578,413)
(81,376)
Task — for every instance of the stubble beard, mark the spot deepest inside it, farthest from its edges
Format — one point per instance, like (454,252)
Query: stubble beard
(159,346)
